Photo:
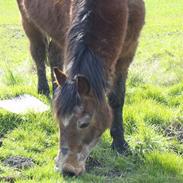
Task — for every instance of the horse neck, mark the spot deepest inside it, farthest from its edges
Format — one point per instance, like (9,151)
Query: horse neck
(95,38)
(79,56)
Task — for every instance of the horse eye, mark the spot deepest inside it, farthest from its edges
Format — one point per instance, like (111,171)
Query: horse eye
(83,123)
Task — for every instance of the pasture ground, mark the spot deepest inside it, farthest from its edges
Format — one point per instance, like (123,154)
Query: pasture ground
(153,110)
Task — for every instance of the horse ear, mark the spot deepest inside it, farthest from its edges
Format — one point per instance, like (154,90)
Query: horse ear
(60,76)
(83,85)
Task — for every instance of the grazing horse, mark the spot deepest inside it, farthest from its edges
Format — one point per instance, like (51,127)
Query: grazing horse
(90,47)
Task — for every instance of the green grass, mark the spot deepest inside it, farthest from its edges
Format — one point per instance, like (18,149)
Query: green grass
(154,102)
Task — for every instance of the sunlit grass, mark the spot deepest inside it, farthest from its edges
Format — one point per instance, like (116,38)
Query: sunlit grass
(154,101)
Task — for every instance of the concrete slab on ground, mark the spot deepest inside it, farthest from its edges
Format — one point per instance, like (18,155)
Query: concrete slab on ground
(23,104)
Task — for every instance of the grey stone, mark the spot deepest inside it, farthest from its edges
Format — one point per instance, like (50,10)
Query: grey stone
(19,162)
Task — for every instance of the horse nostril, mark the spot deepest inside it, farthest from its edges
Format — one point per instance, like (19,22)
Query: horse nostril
(70,170)
(64,150)
(68,173)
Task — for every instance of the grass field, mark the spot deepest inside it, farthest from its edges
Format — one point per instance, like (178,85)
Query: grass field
(153,110)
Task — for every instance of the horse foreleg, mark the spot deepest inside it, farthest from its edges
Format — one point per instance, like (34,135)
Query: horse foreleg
(116,101)
(38,52)
(117,95)
(117,98)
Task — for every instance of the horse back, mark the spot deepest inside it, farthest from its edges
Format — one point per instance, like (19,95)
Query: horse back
(50,16)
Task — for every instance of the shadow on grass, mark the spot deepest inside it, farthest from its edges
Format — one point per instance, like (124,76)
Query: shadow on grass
(8,179)
(9,121)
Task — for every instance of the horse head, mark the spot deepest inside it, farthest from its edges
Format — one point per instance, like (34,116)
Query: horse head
(82,121)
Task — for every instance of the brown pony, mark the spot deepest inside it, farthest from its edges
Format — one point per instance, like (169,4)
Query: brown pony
(93,42)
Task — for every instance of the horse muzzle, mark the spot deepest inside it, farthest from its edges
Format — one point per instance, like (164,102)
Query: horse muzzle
(70,170)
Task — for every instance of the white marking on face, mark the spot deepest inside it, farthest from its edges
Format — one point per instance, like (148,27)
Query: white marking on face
(67,120)
(59,161)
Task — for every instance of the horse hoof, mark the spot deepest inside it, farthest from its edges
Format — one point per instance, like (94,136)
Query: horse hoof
(44,91)
(121,147)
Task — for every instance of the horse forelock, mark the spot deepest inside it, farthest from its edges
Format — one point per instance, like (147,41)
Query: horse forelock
(66,98)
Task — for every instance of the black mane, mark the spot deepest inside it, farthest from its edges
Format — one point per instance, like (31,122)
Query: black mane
(81,59)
